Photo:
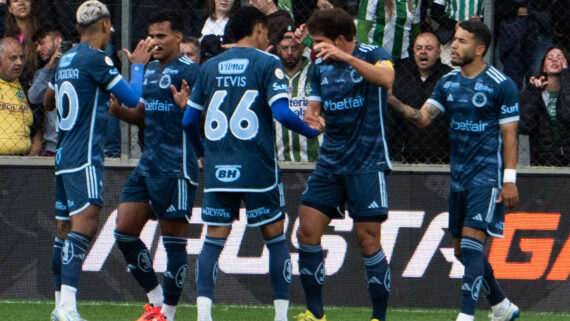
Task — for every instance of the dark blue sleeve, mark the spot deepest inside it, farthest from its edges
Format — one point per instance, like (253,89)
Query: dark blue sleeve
(130,93)
(191,116)
(193,133)
(285,116)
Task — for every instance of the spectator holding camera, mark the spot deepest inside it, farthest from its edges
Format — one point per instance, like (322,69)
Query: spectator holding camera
(48,45)
(545,111)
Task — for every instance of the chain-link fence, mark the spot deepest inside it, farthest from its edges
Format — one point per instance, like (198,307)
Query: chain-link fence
(523,32)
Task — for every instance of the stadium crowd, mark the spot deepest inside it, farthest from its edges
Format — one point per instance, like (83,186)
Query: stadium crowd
(524,31)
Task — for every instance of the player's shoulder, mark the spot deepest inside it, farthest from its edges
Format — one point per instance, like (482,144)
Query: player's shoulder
(374,51)
(452,74)
(494,75)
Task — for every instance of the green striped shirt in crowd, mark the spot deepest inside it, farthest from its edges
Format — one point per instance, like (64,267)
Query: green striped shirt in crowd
(389,30)
(286,6)
(290,145)
(460,10)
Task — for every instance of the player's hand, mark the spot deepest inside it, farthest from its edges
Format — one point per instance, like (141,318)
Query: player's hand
(114,105)
(142,53)
(301,32)
(509,194)
(201,163)
(326,51)
(316,122)
(540,82)
(181,97)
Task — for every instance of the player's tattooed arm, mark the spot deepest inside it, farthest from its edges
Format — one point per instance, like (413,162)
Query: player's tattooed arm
(421,118)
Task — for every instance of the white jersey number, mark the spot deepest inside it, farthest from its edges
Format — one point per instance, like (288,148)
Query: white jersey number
(244,123)
(67,91)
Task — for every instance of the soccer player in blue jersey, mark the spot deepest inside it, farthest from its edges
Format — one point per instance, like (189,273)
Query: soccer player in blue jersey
(80,89)
(241,90)
(349,84)
(482,106)
(163,184)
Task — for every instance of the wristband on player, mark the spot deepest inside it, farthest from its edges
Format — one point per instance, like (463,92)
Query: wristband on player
(510,176)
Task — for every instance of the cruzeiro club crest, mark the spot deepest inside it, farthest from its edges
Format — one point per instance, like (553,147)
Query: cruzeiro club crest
(320,273)
(287,271)
(355,76)
(67,252)
(476,288)
(479,99)
(388,280)
(181,275)
(144,261)
(164,82)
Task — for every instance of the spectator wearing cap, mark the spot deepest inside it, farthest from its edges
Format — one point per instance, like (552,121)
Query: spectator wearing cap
(415,78)
(290,145)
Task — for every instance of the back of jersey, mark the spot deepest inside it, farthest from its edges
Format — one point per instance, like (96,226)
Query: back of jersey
(236,90)
(81,82)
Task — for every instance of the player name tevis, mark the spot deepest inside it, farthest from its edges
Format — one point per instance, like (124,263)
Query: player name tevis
(231,81)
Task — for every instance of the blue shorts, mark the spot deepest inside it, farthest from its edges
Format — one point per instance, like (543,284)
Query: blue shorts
(476,208)
(222,208)
(170,198)
(364,194)
(75,192)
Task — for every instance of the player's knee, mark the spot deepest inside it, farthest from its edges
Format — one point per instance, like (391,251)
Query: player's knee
(308,237)
(63,228)
(369,243)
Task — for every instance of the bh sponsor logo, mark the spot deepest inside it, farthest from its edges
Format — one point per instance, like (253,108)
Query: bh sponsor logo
(228,173)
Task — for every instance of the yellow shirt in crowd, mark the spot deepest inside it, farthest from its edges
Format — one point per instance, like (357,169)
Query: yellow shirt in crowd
(15,119)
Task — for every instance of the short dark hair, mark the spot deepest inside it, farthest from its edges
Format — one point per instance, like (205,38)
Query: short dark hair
(44,31)
(242,23)
(332,23)
(172,16)
(193,40)
(480,32)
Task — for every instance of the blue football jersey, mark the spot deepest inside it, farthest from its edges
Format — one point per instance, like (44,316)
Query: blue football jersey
(236,89)
(167,151)
(354,139)
(476,108)
(82,81)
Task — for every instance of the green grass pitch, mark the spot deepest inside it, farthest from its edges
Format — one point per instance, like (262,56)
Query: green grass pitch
(19,310)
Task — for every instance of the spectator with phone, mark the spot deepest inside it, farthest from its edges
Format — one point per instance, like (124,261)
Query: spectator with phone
(48,42)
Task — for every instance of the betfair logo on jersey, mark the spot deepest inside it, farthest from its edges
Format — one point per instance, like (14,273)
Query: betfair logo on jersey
(157,105)
(347,103)
(228,173)
(468,126)
(233,66)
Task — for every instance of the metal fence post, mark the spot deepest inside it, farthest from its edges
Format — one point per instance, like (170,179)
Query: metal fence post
(125,70)
(489,18)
